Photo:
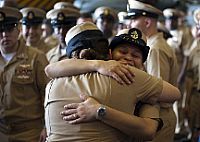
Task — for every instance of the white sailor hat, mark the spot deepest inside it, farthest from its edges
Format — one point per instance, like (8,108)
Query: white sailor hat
(64,16)
(137,8)
(32,15)
(9,17)
(171,13)
(82,36)
(60,5)
(105,11)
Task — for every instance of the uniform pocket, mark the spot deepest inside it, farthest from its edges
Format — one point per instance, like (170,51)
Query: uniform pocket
(23,74)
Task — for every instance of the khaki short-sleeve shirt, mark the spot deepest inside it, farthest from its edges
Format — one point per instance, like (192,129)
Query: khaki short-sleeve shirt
(22,89)
(55,54)
(62,91)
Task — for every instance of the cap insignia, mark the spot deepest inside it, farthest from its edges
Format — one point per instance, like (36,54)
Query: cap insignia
(144,13)
(60,16)
(106,12)
(30,15)
(134,34)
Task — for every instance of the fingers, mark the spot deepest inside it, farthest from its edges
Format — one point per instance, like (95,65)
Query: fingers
(117,78)
(127,76)
(123,76)
(68,112)
(76,121)
(71,106)
(71,117)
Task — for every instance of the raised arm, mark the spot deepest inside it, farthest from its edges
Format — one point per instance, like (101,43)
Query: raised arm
(70,67)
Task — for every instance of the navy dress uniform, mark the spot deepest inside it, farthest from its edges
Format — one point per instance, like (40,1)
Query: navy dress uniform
(31,28)
(161,60)
(62,20)
(22,83)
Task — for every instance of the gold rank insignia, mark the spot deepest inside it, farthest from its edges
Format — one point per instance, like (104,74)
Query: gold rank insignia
(134,34)
(30,15)
(106,12)
(60,16)
(2,16)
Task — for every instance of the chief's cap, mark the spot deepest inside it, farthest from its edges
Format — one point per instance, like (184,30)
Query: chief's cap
(60,5)
(9,17)
(171,13)
(196,16)
(64,16)
(105,11)
(133,37)
(136,8)
(122,16)
(82,36)
(32,15)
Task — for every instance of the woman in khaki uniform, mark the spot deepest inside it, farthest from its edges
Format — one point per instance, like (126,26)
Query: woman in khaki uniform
(99,87)
(22,83)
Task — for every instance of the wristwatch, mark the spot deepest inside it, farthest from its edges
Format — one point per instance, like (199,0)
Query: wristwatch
(101,112)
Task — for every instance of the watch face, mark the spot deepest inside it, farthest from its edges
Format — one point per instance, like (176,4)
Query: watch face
(101,112)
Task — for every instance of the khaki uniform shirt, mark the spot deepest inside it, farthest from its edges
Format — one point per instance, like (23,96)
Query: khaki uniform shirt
(22,88)
(175,43)
(180,43)
(51,41)
(55,54)
(194,65)
(42,46)
(161,61)
(107,91)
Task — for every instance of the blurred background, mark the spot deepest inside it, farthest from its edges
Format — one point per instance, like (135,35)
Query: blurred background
(119,5)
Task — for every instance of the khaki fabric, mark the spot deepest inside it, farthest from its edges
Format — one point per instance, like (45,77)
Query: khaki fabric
(162,63)
(193,72)
(52,41)
(55,54)
(194,114)
(180,43)
(62,91)
(42,46)
(22,88)
(166,134)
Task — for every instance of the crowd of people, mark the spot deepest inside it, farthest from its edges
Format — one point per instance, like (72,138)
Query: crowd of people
(131,76)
